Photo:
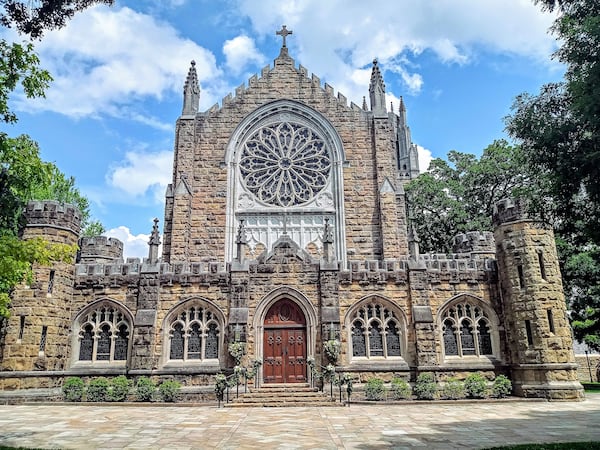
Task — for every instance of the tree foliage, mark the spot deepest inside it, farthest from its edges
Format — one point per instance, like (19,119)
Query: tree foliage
(458,195)
(19,65)
(33,18)
(559,130)
(17,259)
(26,177)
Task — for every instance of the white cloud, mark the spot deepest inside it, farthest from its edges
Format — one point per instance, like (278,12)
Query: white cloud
(107,59)
(240,52)
(338,37)
(142,172)
(134,246)
(425,158)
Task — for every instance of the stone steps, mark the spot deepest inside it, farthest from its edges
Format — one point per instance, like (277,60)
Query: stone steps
(282,395)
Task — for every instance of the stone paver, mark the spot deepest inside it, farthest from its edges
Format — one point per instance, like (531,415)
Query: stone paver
(422,425)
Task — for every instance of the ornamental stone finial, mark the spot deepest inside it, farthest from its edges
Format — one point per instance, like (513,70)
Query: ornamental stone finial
(191,92)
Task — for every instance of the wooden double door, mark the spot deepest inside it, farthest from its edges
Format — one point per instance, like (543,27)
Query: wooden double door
(284,344)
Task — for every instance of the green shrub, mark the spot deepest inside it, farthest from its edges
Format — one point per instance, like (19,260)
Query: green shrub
(73,389)
(400,389)
(374,390)
(144,389)
(476,386)
(169,390)
(425,387)
(453,389)
(98,390)
(119,388)
(502,386)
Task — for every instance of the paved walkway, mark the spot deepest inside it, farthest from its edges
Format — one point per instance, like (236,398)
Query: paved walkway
(425,425)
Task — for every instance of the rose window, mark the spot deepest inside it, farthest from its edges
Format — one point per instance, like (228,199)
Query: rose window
(285,164)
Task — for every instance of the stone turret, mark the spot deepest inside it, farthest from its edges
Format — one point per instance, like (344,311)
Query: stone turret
(538,331)
(100,249)
(38,325)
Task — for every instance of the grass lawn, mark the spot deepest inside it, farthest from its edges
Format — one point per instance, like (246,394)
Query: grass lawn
(561,446)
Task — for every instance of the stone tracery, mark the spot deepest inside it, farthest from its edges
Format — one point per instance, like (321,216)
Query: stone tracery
(285,164)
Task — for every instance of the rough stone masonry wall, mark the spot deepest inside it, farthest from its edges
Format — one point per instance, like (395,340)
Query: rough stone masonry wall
(207,174)
(538,331)
(42,304)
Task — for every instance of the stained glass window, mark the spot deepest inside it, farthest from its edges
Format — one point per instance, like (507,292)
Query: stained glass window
(103,334)
(358,339)
(285,164)
(450,344)
(393,339)
(86,344)
(384,336)
(466,330)
(194,333)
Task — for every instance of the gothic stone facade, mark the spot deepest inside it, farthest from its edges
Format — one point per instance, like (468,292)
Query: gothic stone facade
(286,227)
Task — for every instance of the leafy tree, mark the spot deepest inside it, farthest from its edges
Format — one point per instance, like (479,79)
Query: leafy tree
(34,17)
(559,130)
(17,258)
(19,65)
(458,196)
(26,177)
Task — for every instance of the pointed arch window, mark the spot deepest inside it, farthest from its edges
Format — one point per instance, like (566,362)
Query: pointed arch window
(194,333)
(375,331)
(104,335)
(467,331)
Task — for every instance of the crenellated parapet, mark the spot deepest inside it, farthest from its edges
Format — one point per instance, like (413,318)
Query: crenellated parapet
(52,214)
(100,249)
(376,272)
(120,274)
(477,242)
(509,210)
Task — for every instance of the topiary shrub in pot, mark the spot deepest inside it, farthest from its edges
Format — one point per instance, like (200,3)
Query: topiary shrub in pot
(400,389)
(73,389)
(374,390)
(425,387)
(476,386)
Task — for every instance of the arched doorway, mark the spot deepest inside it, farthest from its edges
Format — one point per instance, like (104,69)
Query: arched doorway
(284,343)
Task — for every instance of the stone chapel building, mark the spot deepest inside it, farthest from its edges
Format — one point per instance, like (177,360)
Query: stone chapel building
(286,226)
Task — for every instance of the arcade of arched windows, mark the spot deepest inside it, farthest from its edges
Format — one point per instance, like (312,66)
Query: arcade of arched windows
(467,330)
(194,333)
(103,334)
(376,331)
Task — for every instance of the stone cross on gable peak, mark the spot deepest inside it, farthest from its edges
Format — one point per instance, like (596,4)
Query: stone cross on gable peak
(284,32)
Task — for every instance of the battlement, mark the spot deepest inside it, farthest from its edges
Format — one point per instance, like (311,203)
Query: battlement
(98,249)
(474,242)
(53,214)
(457,262)
(509,210)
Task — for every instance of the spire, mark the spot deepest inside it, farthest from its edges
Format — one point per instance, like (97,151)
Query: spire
(191,92)
(364,105)
(377,92)
(153,243)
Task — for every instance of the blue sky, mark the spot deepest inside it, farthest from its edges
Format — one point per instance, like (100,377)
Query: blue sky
(109,117)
